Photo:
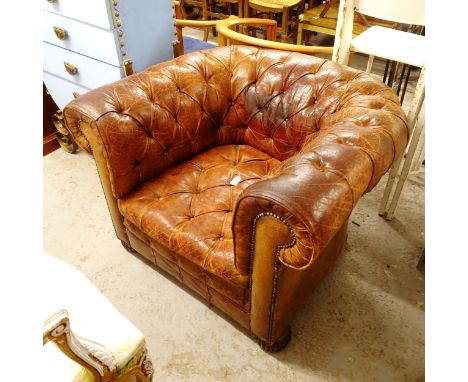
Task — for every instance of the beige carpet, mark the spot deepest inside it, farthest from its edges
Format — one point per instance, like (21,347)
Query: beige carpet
(365,322)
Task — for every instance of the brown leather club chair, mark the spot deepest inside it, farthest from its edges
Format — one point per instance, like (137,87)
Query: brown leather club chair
(236,169)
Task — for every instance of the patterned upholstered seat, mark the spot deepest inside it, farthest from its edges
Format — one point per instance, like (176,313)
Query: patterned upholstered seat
(73,305)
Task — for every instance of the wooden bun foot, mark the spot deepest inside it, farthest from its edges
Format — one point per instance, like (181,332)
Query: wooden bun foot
(127,247)
(279,345)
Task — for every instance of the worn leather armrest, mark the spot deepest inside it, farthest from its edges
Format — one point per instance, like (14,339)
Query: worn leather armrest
(315,191)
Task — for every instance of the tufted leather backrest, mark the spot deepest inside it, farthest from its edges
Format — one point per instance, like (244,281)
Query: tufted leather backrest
(271,100)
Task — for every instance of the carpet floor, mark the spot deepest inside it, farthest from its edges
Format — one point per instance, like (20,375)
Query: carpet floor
(365,321)
(193,45)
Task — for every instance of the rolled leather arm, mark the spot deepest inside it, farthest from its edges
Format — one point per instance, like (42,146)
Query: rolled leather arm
(315,191)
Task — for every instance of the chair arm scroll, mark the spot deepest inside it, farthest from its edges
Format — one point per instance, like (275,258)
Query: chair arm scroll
(92,356)
(312,200)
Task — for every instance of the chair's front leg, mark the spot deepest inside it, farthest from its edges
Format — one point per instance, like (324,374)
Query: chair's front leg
(92,356)
(385,209)
(285,24)
(95,358)
(143,371)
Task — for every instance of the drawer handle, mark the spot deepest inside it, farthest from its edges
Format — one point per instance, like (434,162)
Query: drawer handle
(71,69)
(60,33)
(51,1)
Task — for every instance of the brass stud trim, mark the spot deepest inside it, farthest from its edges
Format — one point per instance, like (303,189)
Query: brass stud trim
(118,25)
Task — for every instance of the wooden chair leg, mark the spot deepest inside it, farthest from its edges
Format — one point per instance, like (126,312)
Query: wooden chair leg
(419,154)
(241,11)
(369,64)
(418,98)
(254,29)
(298,11)
(394,171)
(416,130)
(205,17)
(284,25)
(182,9)
(405,170)
(299,34)
(240,8)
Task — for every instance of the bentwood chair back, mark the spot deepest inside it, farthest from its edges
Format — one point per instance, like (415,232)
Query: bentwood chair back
(228,34)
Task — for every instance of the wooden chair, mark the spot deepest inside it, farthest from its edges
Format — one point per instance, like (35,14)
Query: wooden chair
(200,4)
(228,34)
(209,11)
(180,23)
(213,13)
(395,45)
(323,19)
(289,9)
(85,338)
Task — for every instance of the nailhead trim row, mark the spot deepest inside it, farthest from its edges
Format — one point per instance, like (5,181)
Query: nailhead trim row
(276,266)
(118,25)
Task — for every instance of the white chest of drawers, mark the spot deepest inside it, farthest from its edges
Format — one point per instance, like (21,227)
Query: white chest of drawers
(89,43)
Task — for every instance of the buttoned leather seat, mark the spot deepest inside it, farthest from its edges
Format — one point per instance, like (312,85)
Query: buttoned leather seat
(236,169)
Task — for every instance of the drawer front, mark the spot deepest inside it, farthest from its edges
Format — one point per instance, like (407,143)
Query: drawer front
(94,12)
(90,73)
(82,38)
(62,90)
